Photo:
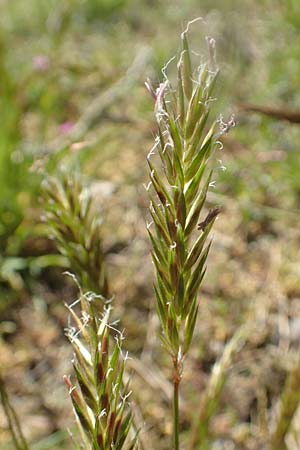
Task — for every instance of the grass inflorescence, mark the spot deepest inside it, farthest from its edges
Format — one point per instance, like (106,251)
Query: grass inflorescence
(185,145)
(100,397)
(76,229)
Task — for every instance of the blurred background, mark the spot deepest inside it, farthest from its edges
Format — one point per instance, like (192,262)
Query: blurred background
(72,96)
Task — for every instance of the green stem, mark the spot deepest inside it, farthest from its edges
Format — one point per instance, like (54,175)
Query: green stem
(176,382)
(12,419)
(176,415)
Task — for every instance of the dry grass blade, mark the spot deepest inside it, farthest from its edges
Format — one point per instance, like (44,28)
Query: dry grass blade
(102,102)
(273,111)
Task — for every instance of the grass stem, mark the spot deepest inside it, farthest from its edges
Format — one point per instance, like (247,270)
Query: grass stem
(176,416)
(12,419)
(177,375)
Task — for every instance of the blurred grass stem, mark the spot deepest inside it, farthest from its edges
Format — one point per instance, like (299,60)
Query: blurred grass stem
(289,403)
(211,396)
(12,419)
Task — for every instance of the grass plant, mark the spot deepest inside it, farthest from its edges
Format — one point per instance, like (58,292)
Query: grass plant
(14,425)
(185,146)
(181,169)
(100,397)
(289,403)
(76,229)
(210,398)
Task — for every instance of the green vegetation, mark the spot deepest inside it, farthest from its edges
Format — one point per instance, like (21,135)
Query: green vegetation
(76,128)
